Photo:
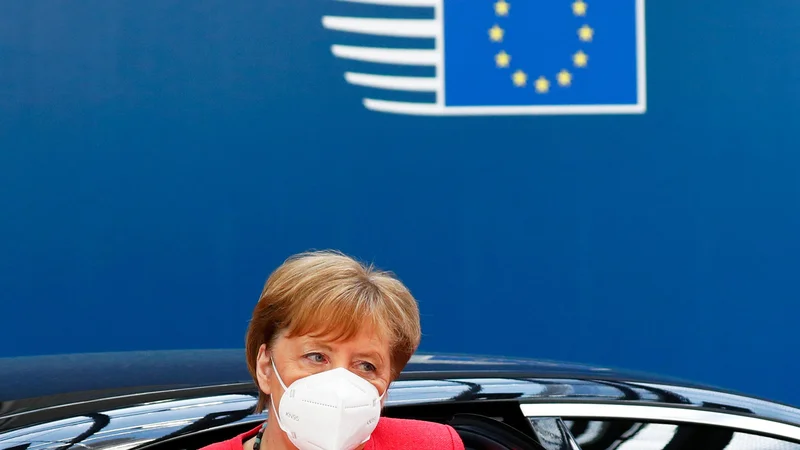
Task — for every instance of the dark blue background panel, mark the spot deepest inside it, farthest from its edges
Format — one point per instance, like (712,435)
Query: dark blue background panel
(159,158)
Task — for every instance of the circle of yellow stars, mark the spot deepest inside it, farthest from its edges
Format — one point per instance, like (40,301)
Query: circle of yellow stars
(542,84)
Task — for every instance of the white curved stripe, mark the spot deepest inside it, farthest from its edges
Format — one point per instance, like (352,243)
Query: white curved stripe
(406,57)
(414,28)
(414,3)
(432,109)
(416,84)
(660,414)
(417,109)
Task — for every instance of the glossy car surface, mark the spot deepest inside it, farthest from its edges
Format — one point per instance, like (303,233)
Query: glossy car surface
(187,399)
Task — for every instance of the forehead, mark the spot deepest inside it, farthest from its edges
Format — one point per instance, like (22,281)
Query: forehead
(339,319)
(365,340)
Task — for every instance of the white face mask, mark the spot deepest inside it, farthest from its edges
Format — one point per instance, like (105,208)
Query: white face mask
(331,410)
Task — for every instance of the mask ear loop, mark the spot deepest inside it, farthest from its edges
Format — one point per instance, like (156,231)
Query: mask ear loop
(275,369)
(271,397)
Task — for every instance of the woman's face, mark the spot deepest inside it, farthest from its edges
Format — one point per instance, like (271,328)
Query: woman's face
(365,355)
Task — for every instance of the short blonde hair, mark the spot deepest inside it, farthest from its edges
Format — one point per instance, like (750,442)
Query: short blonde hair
(327,293)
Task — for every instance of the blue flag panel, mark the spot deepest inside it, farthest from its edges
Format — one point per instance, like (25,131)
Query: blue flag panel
(517,53)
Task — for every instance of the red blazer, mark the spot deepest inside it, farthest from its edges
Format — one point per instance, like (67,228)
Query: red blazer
(390,434)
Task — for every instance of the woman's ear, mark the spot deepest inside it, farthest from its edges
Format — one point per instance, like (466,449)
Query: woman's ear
(264,369)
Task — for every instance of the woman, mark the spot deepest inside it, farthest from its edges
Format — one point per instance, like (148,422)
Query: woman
(326,339)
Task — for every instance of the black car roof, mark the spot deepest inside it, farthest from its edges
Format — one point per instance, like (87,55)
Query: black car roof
(45,388)
(110,373)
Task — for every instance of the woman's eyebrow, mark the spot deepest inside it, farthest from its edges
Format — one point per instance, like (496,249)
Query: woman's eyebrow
(324,345)
(319,344)
(370,354)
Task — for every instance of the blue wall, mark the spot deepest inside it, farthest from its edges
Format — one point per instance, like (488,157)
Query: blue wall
(159,158)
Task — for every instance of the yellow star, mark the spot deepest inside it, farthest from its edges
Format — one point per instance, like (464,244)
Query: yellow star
(520,78)
(496,34)
(579,8)
(580,59)
(564,78)
(502,59)
(585,33)
(542,85)
(501,8)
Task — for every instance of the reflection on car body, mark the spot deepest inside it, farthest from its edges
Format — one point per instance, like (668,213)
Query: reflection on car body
(185,400)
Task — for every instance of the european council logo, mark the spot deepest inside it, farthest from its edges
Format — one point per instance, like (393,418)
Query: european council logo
(503,57)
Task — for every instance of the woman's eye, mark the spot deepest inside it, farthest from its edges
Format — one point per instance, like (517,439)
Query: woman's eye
(368,367)
(316,357)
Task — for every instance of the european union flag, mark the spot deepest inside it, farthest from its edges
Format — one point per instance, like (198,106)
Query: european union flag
(502,57)
(549,53)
